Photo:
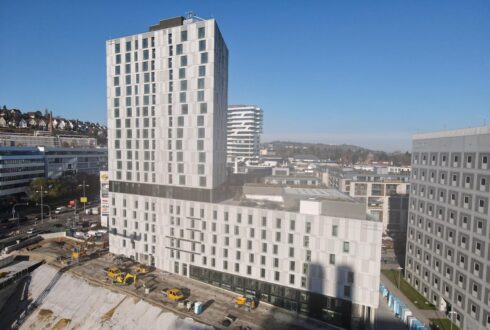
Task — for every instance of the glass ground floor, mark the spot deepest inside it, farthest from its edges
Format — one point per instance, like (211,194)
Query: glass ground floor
(328,309)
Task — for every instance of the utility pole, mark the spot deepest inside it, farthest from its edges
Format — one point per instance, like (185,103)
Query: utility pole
(13,212)
(399,275)
(84,196)
(42,210)
(451,317)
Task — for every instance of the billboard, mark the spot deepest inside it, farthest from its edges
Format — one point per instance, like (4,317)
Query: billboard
(104,198)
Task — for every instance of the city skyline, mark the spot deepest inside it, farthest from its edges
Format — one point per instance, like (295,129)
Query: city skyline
(403,62)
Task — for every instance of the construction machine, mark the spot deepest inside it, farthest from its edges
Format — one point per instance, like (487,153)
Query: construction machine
(142,269)
(173,294)
(249,302)
(82,250)
(113,272)
(126,278)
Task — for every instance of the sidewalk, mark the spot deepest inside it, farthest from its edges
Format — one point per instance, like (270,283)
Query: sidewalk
(423,315)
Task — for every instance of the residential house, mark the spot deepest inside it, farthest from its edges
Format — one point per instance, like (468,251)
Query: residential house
(22,123)
(41,124)
(31,122)
(62,124)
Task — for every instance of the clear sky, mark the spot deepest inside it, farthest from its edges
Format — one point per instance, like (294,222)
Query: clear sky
(370,73)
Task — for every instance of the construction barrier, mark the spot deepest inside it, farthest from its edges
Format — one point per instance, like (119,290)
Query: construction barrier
(401,310)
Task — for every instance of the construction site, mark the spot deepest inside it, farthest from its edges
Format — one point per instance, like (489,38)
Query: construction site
(60,282)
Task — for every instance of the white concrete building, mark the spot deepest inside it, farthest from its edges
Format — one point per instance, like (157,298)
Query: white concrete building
(312,251)
(244,128)
(448,244)
(167,92)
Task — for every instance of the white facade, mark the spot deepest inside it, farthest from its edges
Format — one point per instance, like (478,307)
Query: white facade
(159,132)
(291,249)
(448,244)
(244,128)
(167,93)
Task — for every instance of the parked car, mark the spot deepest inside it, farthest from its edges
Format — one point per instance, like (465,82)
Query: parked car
(61,209)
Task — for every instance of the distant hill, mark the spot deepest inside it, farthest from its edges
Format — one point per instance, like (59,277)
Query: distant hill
(342,153)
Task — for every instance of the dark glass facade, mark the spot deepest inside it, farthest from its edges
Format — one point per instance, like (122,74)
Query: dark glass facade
(331,310)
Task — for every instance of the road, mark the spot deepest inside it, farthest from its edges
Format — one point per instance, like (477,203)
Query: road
(386,319)
(66,220)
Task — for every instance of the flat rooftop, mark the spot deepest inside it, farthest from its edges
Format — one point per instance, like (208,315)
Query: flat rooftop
(318,201)
(453,133)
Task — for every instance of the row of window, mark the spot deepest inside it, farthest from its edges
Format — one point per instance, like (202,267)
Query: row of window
(150,42)
(453,159)
(454,179)
(466,201)
(459,259)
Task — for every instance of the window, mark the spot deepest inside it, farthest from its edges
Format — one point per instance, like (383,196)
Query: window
(347,291)
(183,36)
(332,259)
(202,71)
(202,45)
(335,230)
(203,107)
(200,96)
(183,60)
(201,33)
(204,58)
(346,247)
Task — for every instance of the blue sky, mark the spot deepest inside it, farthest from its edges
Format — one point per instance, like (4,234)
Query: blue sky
(371,73)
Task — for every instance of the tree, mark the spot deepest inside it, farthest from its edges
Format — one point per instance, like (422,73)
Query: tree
(4,107)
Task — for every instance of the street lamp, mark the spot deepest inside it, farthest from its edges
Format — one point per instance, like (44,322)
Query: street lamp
(49,208)
(84,197)
(451,313)
(399,274)
(42,191)
(13,212)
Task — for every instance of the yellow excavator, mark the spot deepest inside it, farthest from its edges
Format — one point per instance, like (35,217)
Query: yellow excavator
(118,276)
(81,251)
(249,302)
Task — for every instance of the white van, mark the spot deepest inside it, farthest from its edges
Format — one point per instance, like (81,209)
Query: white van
(61,209)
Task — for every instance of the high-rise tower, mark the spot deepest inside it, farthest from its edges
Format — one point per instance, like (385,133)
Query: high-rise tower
(167,102)
(244,128)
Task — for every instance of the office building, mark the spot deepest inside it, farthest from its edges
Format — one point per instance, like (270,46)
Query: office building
(448,245)
(385,195)
(310,251)
(244,128)
(20,165)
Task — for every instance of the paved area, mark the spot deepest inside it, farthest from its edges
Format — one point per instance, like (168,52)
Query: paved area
(385,319)
(422,315)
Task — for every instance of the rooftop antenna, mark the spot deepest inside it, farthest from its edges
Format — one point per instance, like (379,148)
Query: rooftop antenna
(190,15)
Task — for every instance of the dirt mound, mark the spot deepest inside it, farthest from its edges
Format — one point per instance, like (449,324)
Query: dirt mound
(45,314)
(61,324)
